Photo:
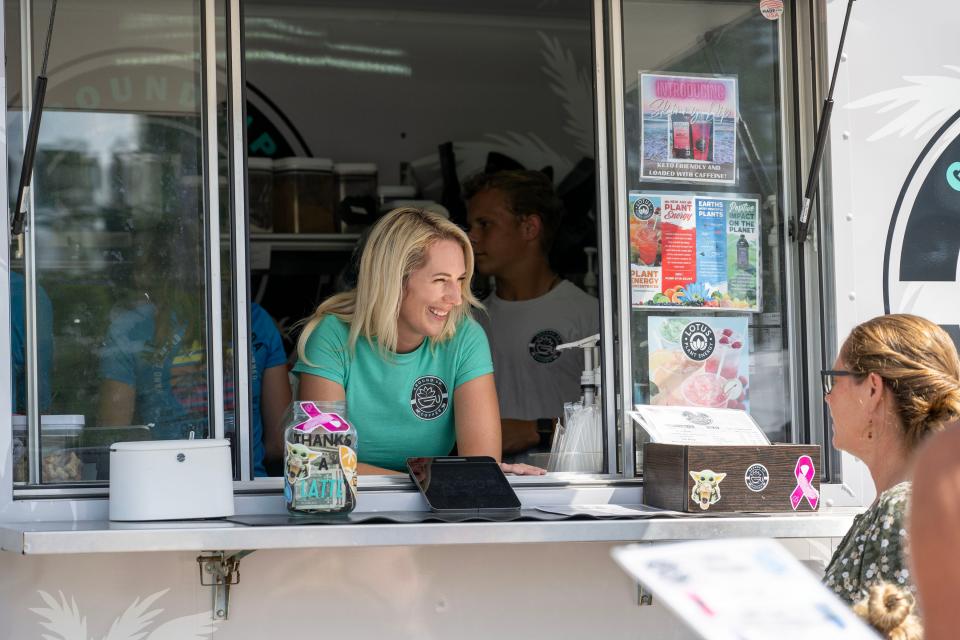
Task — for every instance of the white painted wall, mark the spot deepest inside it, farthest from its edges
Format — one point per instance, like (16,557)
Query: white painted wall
(528,591)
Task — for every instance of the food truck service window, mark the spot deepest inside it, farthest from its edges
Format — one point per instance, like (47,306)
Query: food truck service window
(206,176)
(702,202)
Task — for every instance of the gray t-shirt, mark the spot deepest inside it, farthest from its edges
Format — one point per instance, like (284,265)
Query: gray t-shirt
(874,550)
(533,379)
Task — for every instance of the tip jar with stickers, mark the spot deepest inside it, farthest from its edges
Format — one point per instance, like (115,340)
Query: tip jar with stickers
(320,470)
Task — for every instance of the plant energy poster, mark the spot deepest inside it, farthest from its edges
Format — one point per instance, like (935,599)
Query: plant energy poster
(688,128)
(699,362)
(694,251)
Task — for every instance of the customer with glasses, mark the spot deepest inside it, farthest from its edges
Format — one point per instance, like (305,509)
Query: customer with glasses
(896,380)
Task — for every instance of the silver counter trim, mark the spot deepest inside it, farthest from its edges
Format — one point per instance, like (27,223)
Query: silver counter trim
(106,537)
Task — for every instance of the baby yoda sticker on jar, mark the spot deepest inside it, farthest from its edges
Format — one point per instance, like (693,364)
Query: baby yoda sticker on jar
(321,459)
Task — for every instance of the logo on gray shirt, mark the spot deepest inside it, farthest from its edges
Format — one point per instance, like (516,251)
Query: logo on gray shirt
(543,346)
(429,398)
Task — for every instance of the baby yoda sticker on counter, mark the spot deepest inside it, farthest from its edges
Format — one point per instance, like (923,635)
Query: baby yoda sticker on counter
(321,459)
(706,487)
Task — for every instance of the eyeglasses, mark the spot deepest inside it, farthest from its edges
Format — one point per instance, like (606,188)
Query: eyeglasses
(828,375)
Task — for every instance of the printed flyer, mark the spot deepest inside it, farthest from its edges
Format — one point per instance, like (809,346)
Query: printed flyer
(694,251)
(688,128)
(699,362)
(741,589)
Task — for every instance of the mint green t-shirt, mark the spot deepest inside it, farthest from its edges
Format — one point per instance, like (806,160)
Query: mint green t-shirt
(401,406)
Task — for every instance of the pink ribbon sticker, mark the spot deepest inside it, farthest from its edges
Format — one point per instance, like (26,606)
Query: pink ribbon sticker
(328,421)
(804,471)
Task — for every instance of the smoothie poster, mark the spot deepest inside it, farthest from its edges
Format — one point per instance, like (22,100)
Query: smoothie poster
(694,251)
(688,128)
(699,362)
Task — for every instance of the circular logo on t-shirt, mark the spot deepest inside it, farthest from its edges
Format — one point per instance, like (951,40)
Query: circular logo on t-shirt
(757,477)
(697,341)
(543,346)
(429,398)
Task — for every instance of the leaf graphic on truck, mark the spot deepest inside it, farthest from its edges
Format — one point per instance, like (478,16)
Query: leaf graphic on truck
(62,620)
(930,100)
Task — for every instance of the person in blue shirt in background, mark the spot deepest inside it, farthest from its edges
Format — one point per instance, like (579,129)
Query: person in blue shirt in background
(18,341)
(153,364)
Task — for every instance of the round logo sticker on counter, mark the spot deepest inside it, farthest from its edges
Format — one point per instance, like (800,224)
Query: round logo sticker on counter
(771,9)
(543,346)
(757,477)
(698,341)
(429,398)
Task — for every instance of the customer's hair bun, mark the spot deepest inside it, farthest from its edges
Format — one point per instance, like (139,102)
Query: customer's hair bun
(889,609)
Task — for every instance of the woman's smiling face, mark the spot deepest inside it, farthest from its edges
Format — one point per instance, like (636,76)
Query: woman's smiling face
(430,294)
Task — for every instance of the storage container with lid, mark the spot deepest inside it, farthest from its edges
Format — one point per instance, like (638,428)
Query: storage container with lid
(356,179)
(260,193)
(304,196)
(59,448)
(391,192)
(170,480)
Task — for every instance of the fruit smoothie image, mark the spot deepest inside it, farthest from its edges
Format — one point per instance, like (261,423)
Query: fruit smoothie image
(645,239)
(725,359)
(730,368)
(668,369)
(704,390)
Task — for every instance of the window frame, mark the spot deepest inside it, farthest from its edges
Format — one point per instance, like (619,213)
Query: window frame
(807,327)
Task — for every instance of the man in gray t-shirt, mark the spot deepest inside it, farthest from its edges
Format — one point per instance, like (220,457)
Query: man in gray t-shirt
(513,218)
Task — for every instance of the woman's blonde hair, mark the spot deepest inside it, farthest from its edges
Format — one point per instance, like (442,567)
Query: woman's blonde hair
(397,246)
(889,609)
(918,362)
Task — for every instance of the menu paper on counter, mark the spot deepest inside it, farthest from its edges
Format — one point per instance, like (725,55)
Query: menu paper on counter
(699,361)
(698,426)
(688,128)
(609,511)
(741,589)
(699,251)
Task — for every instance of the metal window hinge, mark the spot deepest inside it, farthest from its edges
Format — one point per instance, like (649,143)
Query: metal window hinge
(224,571)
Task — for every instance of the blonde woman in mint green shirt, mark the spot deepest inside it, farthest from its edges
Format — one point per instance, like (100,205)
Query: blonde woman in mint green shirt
(402,349)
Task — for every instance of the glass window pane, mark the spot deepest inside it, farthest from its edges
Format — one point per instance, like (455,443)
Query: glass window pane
(427,94)
(702,116)
(119,230)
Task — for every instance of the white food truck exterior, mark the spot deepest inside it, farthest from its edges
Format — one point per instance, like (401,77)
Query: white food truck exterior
(891,184)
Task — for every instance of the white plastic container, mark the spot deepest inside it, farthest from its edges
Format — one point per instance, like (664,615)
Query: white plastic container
(170,480)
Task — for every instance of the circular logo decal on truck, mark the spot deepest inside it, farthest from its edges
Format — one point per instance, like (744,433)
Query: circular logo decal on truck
(543,346)
(923,238)
(429,398)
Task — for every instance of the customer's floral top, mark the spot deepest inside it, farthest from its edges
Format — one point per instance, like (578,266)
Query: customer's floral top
(874,550)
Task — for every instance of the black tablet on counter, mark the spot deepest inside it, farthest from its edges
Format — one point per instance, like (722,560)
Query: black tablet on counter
(463,484)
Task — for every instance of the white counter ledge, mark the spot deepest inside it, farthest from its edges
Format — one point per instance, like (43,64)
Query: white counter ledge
(115,537)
